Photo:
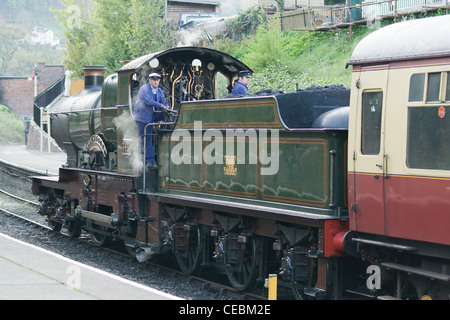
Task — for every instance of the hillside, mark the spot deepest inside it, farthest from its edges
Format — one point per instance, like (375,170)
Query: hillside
(31,13)
(326,62)
(285,60)
(11,127)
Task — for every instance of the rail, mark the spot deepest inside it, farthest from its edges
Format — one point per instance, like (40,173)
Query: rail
(316,18)
(45,98)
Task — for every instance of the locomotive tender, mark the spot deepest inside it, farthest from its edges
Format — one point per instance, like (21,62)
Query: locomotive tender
(297,184)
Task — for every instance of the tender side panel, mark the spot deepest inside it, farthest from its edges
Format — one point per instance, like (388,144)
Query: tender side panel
(291,171)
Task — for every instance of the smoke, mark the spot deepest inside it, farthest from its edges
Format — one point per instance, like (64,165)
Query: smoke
(229,7)
(207,29)
(189,37)
(131,140)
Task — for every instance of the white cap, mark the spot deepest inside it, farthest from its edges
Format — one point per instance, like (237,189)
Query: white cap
(154,75)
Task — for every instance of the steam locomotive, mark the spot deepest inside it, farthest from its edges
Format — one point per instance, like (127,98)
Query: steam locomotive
(340,192)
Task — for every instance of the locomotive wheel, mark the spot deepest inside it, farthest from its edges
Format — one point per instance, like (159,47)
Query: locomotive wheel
(98,239)
(298,294)
(55,226)
(189,261)
(131,251)
(74,229)
(242,275)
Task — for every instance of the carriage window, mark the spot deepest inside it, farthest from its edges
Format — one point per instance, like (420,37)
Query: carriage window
(447,95)
(428,145)
(372,103)
(434,85)
(416,86)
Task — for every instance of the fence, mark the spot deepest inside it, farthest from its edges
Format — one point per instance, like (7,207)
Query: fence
(46,97)
(355,11)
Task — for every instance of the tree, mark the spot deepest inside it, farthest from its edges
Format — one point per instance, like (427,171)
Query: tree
(76,20)
(280,5)
(265,47)
(10,41)
(112,30)
(146,31)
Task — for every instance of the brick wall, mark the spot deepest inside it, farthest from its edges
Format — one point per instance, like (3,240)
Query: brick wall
(17,93)
(34,139)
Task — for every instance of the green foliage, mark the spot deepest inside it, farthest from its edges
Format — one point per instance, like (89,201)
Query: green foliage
(285,60)
(245,24)
(76,20)
(282,78)
(146,31)
(265,47)
(11,126)
(104,32)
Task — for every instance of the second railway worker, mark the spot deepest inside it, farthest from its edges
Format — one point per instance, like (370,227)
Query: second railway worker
(149,107)
(243,80)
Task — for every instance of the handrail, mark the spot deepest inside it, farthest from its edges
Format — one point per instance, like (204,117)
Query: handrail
(145,146)
(312,18)
(46,97)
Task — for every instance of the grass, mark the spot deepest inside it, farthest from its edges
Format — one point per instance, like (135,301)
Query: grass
(318,61)
(12,129)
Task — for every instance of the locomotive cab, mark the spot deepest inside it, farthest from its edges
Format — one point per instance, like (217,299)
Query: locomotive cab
(187,74)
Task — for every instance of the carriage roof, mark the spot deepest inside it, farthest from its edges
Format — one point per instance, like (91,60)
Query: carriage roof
(414,39)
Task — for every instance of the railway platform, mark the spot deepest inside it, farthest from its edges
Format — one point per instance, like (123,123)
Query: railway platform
(38,161)
(32,273)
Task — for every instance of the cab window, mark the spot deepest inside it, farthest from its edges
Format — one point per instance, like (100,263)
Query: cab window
(447,95)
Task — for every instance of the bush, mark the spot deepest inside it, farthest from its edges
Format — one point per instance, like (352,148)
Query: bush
(280,78)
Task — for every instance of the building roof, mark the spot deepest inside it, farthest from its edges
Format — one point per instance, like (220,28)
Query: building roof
(413,39)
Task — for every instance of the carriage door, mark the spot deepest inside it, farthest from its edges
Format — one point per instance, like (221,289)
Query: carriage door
(369,157)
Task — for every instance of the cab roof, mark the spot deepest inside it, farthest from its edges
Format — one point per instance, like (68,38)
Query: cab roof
(223,62)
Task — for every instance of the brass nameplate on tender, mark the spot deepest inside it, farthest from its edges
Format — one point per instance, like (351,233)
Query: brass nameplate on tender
(230,170)
(86,180)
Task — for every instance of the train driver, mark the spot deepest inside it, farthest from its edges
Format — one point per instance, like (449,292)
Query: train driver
(149,106)
(240,88)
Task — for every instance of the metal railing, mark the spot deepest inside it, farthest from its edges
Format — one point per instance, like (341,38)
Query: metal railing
(45,98)
(312,18)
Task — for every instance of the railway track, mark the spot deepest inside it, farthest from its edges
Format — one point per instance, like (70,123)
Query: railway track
(115,250)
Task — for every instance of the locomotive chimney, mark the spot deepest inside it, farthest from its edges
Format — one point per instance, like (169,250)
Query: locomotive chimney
(93,76)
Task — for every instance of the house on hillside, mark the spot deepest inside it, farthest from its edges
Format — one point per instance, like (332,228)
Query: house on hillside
(43,36)
(183,11)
